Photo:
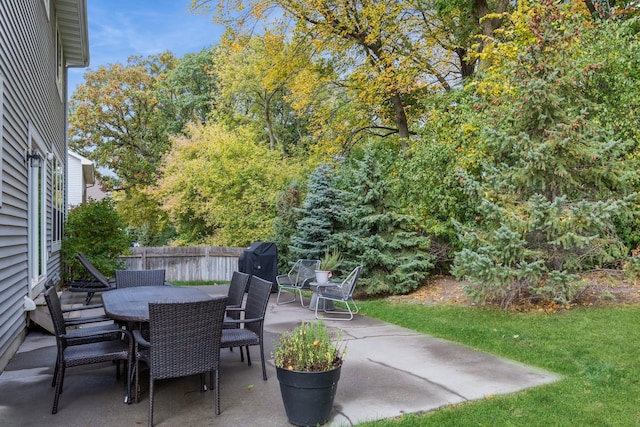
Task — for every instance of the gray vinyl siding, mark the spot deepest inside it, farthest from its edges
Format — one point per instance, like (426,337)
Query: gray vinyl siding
(28,66)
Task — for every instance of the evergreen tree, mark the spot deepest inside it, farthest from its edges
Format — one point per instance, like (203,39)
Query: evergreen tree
(388,244)
(321,213)
(555,181)
(284,227)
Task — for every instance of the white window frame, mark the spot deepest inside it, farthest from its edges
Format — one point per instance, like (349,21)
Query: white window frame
(37,214)
(57,202)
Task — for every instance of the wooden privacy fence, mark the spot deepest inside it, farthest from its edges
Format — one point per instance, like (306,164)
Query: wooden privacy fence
(186,263)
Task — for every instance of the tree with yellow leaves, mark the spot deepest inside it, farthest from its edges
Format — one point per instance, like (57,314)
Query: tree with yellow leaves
(255,75)
(220,187)
(385,55)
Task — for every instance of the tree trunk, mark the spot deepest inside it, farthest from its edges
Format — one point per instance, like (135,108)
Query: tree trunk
(488,26)
(401,119)
(467,67)
(269,122)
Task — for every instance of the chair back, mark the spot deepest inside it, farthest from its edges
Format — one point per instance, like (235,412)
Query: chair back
(55,310)
(185,337)
(133,278)
(92,269)
(257,301)
(306,270)
(237,288)
(348,285)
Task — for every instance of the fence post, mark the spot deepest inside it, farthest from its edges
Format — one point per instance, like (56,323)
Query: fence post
(144,259)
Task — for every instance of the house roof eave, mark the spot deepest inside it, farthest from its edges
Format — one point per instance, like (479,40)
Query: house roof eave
(74,32)
(88,168)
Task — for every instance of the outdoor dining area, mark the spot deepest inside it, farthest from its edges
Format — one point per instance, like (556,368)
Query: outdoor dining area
(145,351)
(174,331)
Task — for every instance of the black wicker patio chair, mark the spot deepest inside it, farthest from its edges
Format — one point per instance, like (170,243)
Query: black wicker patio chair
(235,297)
(297,279)
(253,321)
(88,347)
(132,278)
(97,283)
(184,339)
(81,320)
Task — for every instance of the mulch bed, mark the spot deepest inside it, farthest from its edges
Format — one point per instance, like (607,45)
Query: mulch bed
(603,288)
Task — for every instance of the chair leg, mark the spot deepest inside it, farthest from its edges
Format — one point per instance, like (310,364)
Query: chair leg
(248,356)
(59,379)
(287,301)
(317,301)
(137,384)
(264,369)
(217,390)
(129,371)
(55,373)
(339,315)
(357,309)
(301,299)
(150,402)
(203,384)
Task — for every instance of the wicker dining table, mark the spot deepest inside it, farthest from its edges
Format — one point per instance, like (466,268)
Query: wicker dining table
(132,304)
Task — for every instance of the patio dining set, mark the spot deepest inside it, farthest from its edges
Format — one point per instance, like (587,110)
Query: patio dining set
(177,331)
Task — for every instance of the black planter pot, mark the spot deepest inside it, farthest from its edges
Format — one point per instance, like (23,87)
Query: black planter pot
(308,396)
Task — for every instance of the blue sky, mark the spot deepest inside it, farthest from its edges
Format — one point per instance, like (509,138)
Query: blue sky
(122,28)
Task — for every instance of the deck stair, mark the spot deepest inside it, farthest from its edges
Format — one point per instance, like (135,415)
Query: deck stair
(41,317)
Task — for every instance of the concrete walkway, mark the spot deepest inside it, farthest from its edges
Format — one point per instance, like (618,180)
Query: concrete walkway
(389,371)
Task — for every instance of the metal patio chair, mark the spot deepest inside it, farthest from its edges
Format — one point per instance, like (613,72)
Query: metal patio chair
(342,292)
(297,279)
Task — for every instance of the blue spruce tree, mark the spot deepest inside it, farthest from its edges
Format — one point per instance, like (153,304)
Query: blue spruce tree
(321,211)
(388,244)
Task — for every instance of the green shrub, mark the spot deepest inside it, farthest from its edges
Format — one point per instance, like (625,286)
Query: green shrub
(97,230)
(632,267)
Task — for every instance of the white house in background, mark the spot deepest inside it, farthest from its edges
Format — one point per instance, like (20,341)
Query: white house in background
(39,41)
(82,184)
(80,175)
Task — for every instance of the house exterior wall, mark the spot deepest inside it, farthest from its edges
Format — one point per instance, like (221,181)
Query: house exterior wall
(33,104)
(76,181)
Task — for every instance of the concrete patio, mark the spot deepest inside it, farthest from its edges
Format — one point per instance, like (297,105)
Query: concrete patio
(389,371)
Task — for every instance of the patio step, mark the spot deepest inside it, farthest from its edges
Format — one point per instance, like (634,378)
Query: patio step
(41,317)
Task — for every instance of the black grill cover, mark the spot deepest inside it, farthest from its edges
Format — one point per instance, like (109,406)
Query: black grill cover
(260,259)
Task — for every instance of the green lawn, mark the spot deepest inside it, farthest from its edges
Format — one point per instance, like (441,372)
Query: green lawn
(595,349)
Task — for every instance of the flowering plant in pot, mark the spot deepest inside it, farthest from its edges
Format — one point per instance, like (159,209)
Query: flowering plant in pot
(308,363)
(330,261)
